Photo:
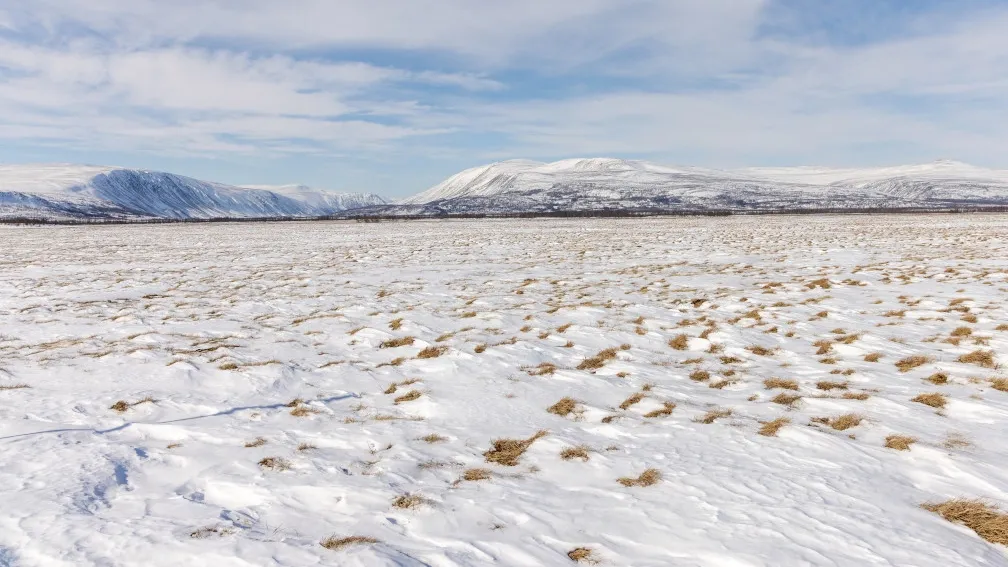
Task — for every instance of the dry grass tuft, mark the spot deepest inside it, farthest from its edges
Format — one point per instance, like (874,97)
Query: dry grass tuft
(578,452)
(634,399)
(780,383)
(841,422)
(598,361)
(408,396)
(962,332)
(679,342)
(395,324)
(664,411)
(433,438)
(985,519)
(789,400)
(409,501)
(899,442)
(770,428)
(859,396)
(477,474)
(909,363)
(120,406)
(760,350)
(564,407)
(4,387)
(713,415)
(303,411)
(1000,384)
(337,543)
(827,385)
(650,477)
(934,400)
(872,357)
(432,352)
(393,343)
(938,378)
(824,346)
(582,555)
(699,376)
(507,452)
(983,358)
(275,463)
(257,442)
(544,369)
(480,348)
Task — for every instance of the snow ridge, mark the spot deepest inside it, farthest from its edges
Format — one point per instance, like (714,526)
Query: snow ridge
(68,192)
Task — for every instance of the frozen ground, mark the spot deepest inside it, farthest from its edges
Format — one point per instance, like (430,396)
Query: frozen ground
(211,334)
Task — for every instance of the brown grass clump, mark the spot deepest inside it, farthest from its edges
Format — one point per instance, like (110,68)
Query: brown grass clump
(395,324)
(938,378)
(713,415)
(859,396)
(909,363)
(393,343)
(760,351)
(229,366)
(583,555)
(962,332)
(985,519)
(789,400)
(275,463)
(934,400)
(477,474)
(631,400)
(823,283)
(841,423)
(408,396)
(899,442)
(650,477)
(257,442)
(780,383)
(543,369)
(4,387)
(120,406)
(664,411)
(699,376)
(468,315)
(564,407)
(409,501)
(770,428)
(507,452)
(1002,327)
(432,352)
(827,385)
(578,452)
(1000,384)
(872,357)
(480,348)
(433,438)
(303,411)
(983,358)
(306,447)
(337,543)
(679,342)
(598,361)
(824,346)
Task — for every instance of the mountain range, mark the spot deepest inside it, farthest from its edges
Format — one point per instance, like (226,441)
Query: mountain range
(71,192)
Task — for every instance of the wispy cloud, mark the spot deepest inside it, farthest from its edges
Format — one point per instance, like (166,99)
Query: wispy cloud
(309,90)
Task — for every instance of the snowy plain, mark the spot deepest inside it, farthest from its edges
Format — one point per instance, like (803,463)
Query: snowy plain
(266,408)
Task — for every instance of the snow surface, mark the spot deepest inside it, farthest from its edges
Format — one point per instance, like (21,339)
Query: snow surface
(223,326)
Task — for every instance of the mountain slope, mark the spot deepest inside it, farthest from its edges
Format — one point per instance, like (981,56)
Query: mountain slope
(607,184)
(66,192)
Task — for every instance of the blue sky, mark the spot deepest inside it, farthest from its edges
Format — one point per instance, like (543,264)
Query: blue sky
(391,96)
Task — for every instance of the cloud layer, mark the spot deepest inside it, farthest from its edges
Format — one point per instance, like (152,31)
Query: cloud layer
(336,93)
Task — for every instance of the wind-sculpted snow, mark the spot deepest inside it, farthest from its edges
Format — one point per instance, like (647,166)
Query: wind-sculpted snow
(611,184)
(82,192)
(703,392)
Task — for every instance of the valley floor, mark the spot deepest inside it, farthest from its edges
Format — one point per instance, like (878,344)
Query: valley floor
(719,392)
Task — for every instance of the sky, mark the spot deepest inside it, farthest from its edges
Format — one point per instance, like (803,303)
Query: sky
(392,96)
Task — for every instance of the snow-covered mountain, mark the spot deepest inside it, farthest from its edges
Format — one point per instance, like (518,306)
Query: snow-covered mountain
(607,184)
(71,192)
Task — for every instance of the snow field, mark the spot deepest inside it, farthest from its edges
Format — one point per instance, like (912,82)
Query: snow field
(240,394)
